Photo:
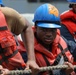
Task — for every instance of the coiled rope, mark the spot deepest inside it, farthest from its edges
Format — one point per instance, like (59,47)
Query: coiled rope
(21,72)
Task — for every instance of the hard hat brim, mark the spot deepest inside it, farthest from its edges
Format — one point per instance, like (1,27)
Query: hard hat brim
(72,2)
(48,25)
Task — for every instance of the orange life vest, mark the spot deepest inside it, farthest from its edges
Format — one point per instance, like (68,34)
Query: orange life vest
(43,56)
(10,58)
(68,19)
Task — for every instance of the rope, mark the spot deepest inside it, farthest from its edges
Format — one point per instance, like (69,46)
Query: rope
(21,72)
(54,67)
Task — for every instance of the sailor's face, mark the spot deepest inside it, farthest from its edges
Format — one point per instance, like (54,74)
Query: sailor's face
(46,35)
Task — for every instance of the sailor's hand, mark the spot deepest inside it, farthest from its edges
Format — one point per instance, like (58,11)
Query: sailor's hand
(3,71)
(33,66)
(70,68)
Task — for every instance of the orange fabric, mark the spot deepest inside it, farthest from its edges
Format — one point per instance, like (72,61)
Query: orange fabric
(8,43)
(68,18)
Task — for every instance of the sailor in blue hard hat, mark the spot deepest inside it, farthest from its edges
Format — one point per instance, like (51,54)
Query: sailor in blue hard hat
(71,3)
(46,23)
(47,37)
(1,3)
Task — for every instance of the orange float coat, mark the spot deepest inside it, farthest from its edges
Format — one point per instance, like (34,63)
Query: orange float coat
(10,58)
(68,18)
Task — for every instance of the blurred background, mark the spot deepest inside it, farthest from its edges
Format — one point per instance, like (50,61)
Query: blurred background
(28,7)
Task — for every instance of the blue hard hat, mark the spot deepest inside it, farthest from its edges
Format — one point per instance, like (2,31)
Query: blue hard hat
(47,13)
(1,2)
(72,1)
